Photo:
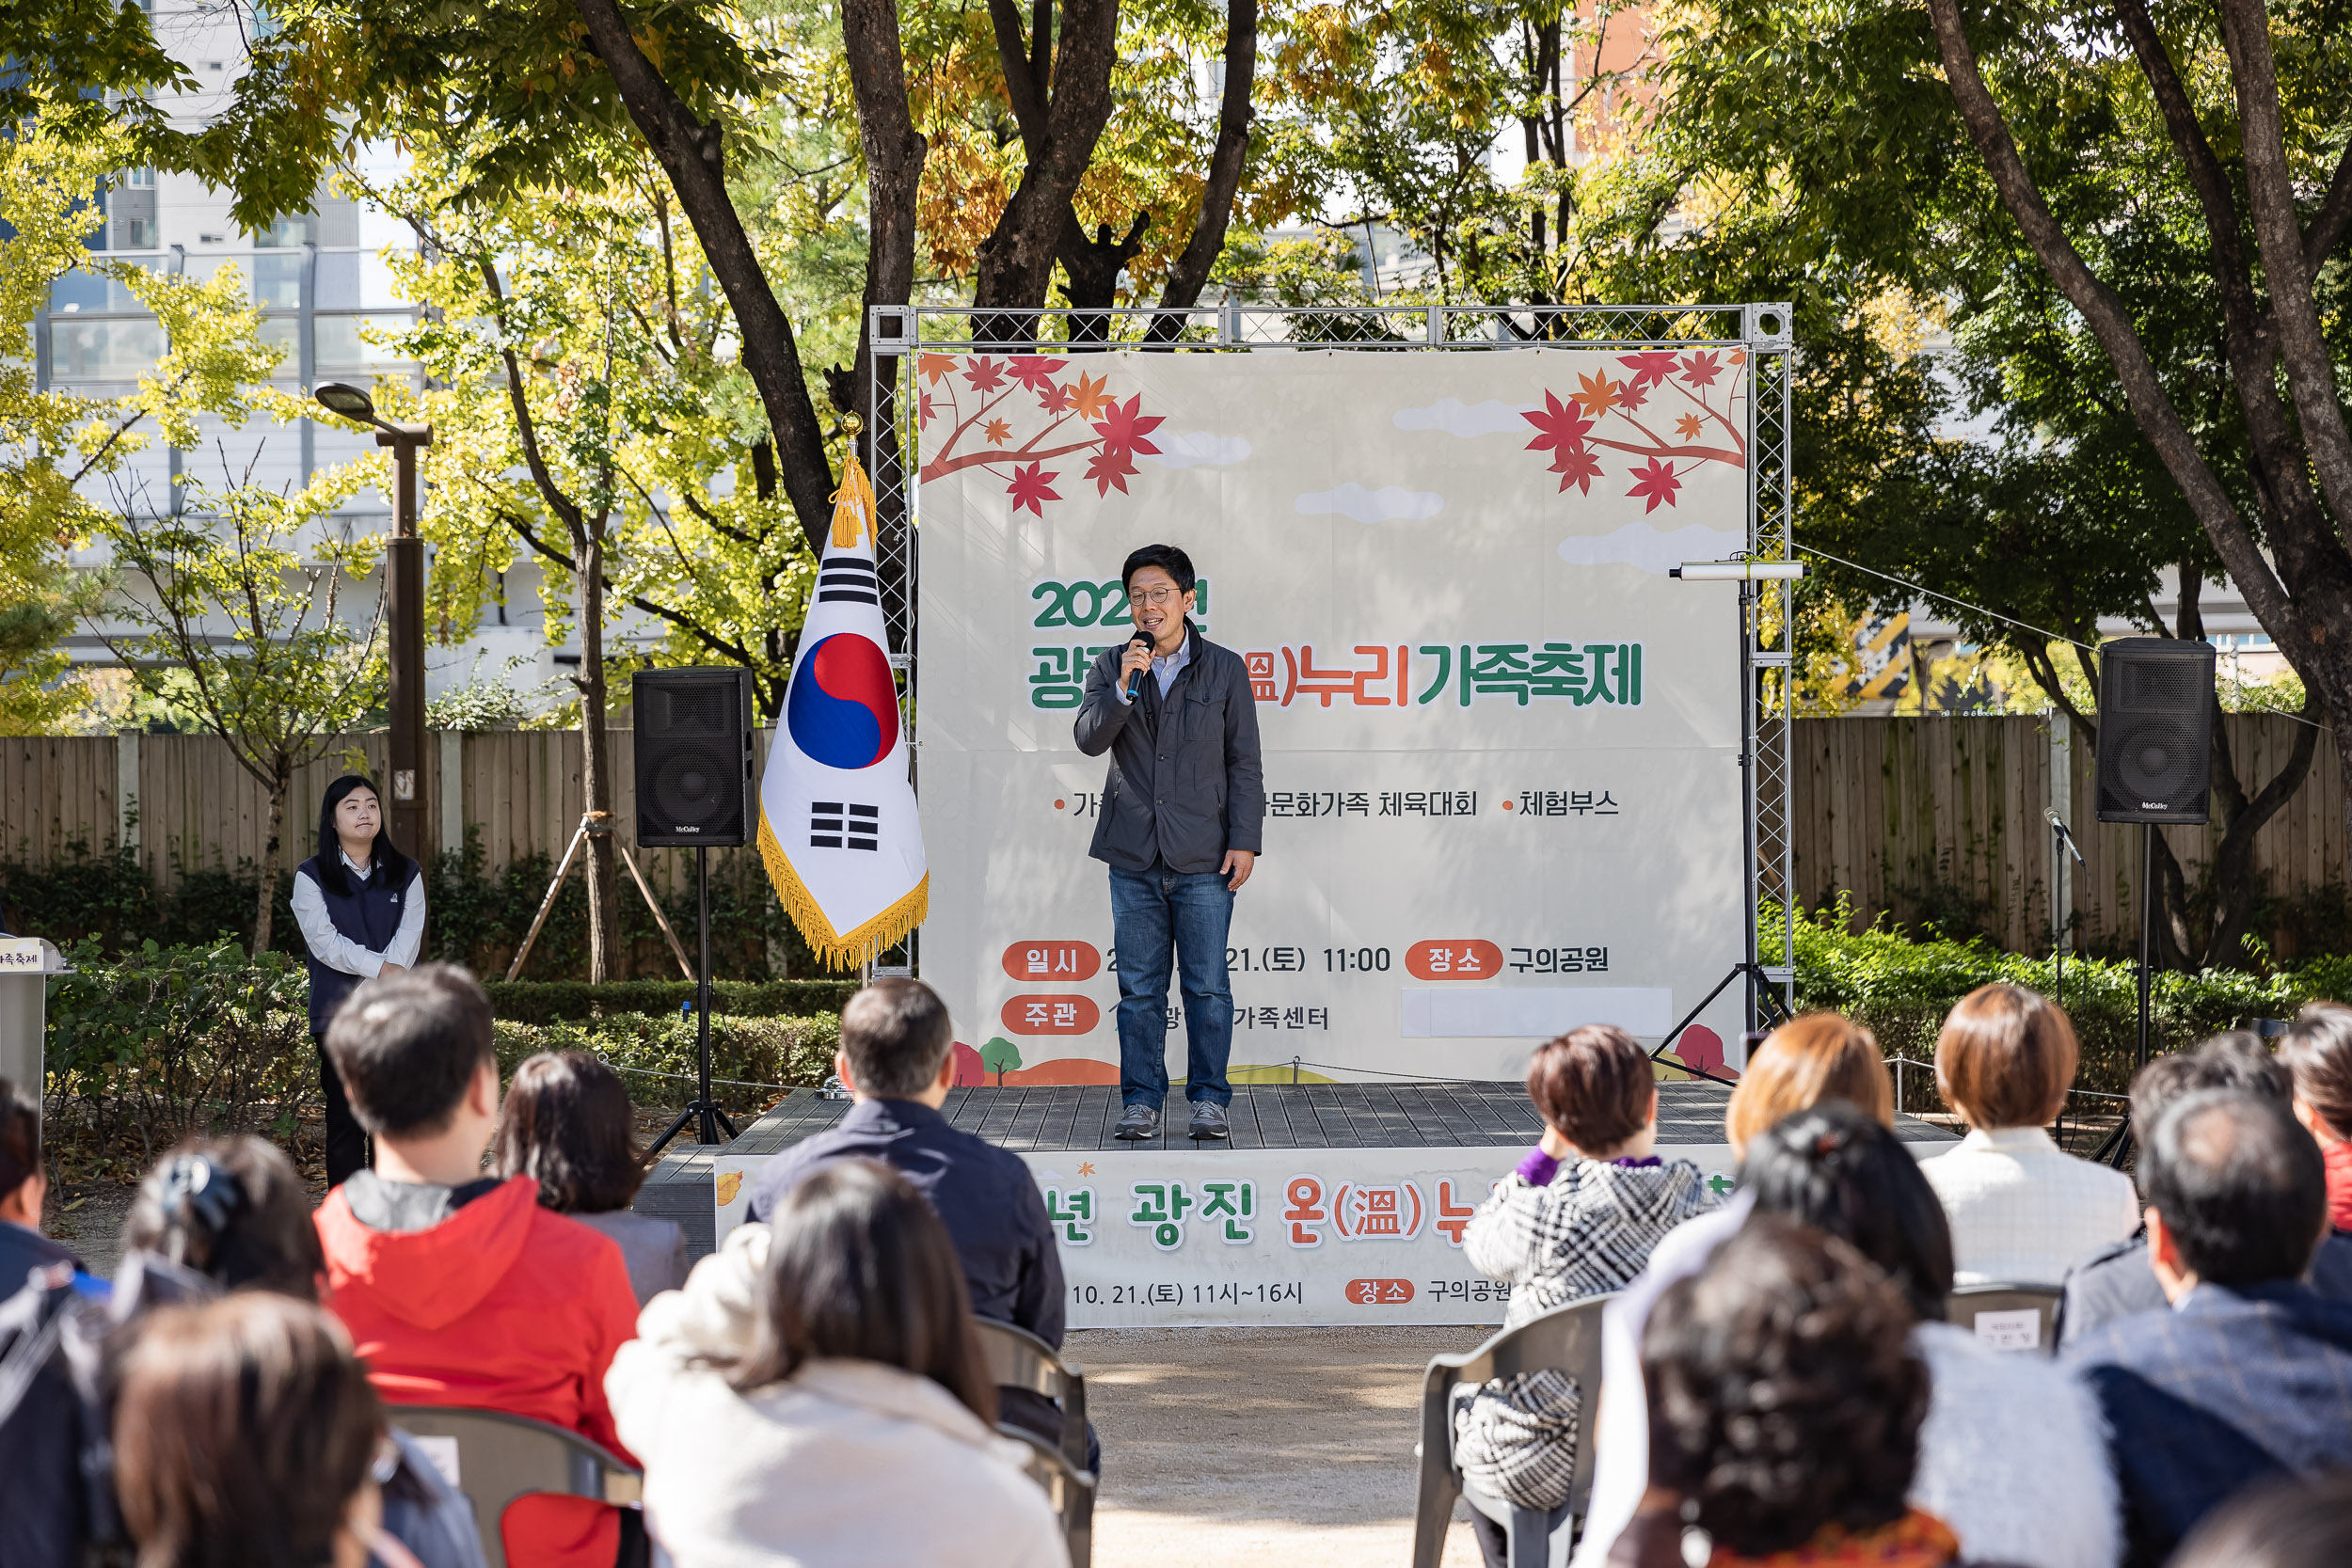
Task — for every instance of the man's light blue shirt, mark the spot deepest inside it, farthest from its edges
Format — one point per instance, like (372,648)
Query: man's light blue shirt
(1164,667)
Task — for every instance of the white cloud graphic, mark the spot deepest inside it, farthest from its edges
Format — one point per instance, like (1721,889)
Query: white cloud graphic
(1641,546)
(1387,504)
(1456,418)
(1195,447)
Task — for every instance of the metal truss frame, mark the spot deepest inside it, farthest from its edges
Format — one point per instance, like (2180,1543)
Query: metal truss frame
(891,452)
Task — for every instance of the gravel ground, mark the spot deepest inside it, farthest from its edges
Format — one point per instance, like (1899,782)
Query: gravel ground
(1278,1446)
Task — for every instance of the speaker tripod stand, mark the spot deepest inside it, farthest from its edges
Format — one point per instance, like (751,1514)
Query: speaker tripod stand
(597,824)
(701,1110)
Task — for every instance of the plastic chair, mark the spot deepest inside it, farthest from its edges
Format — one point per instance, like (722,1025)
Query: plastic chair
(1019,1360)
(1566,1339)
(1997,1314)
(1070,1489)
(501,1457)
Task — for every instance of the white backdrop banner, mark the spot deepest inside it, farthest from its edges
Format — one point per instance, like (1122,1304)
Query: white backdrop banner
(1501,744)
(1153,1239)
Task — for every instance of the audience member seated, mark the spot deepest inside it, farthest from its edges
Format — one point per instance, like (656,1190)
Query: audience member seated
(566,1124)
(2291,1524)
(2119,1281)
(2022,1209)
(2250,1375)
(1809,1060)
(2318,1051)
(2033,1493)
(1786,1405)
(458,1287)
(896,1061)
(235,1211)
(1578,1218)
(816,1396)
(244,1433)
(23,1188)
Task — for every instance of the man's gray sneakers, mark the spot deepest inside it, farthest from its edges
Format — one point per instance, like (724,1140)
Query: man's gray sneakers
(1136,1122)
(1208,1121)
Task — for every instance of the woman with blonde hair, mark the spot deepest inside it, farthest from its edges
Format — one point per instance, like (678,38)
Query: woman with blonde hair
(2022,1209)
(1811,1059)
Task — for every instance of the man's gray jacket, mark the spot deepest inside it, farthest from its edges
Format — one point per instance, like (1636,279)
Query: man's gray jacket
(1185,782)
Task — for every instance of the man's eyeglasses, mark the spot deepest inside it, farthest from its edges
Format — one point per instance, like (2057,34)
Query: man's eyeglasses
(1156,597)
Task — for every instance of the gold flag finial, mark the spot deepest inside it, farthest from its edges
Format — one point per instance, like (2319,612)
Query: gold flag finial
(852,425)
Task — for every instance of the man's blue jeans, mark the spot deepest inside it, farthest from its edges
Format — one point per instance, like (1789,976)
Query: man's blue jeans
(1152,912)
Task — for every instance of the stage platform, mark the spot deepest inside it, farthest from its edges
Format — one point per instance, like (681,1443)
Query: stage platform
(1302,1117)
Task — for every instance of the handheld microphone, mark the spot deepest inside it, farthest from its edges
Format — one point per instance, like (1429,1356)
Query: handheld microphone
(1140,636)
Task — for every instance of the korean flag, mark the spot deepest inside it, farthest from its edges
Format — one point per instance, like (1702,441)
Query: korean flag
(837,823)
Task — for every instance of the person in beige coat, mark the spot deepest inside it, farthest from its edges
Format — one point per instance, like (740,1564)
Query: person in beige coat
(815,1396)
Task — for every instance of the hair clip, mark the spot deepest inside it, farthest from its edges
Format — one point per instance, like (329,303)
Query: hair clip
(1829,1143)
(201,1196)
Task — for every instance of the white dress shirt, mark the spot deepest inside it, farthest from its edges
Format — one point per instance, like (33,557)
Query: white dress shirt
(2025,1210)
(338,951)
(1165,669)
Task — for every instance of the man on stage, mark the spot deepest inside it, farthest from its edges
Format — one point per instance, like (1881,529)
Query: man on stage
(1181,825)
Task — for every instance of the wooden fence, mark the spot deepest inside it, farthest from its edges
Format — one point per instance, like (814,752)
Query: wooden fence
(1912,815)
(1945,814)
(185,802)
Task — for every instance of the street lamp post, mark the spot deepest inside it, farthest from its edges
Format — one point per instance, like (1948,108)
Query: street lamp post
(404,608)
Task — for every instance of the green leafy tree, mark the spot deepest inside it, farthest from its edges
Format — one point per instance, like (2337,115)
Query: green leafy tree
(61,451)
(1000,1056)
(591,409)
(231,612)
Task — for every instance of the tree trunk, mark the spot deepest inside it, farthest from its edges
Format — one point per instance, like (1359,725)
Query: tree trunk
(1190,273)
(265,907)
(690,154)
(596,768)
(1091,268)
(1058,133)
(894,155)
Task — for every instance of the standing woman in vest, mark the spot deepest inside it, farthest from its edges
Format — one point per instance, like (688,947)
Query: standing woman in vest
(360,904)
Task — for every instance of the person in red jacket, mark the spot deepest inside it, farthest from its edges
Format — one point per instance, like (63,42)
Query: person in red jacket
(457,1289)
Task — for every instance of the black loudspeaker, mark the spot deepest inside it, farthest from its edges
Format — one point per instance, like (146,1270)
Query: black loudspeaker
(693,757)
(2156,730)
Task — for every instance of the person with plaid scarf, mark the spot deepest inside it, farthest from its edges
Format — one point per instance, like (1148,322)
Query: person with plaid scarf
(1577,1218)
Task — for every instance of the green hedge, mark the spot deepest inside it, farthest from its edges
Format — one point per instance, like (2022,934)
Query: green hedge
(1902,986)
(751,1059)
(553,1001)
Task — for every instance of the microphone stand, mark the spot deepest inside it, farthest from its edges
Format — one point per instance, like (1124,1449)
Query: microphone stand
(2059,838)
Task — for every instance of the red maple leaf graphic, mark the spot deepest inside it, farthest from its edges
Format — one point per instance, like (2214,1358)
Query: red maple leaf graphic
(1635,395)
(984,375)
(1035,372)
(1648,367)
(1123,427)
(1655,480)
(1054,399)
(1562,425)
(923,410)
(1701,370)
(1576,466)
(997,431)
(1111,465)
(1031,488)
(1689,427)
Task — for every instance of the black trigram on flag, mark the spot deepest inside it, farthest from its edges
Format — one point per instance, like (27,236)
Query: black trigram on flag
(832,826)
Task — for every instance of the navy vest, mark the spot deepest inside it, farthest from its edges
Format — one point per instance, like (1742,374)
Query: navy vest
(367,915)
